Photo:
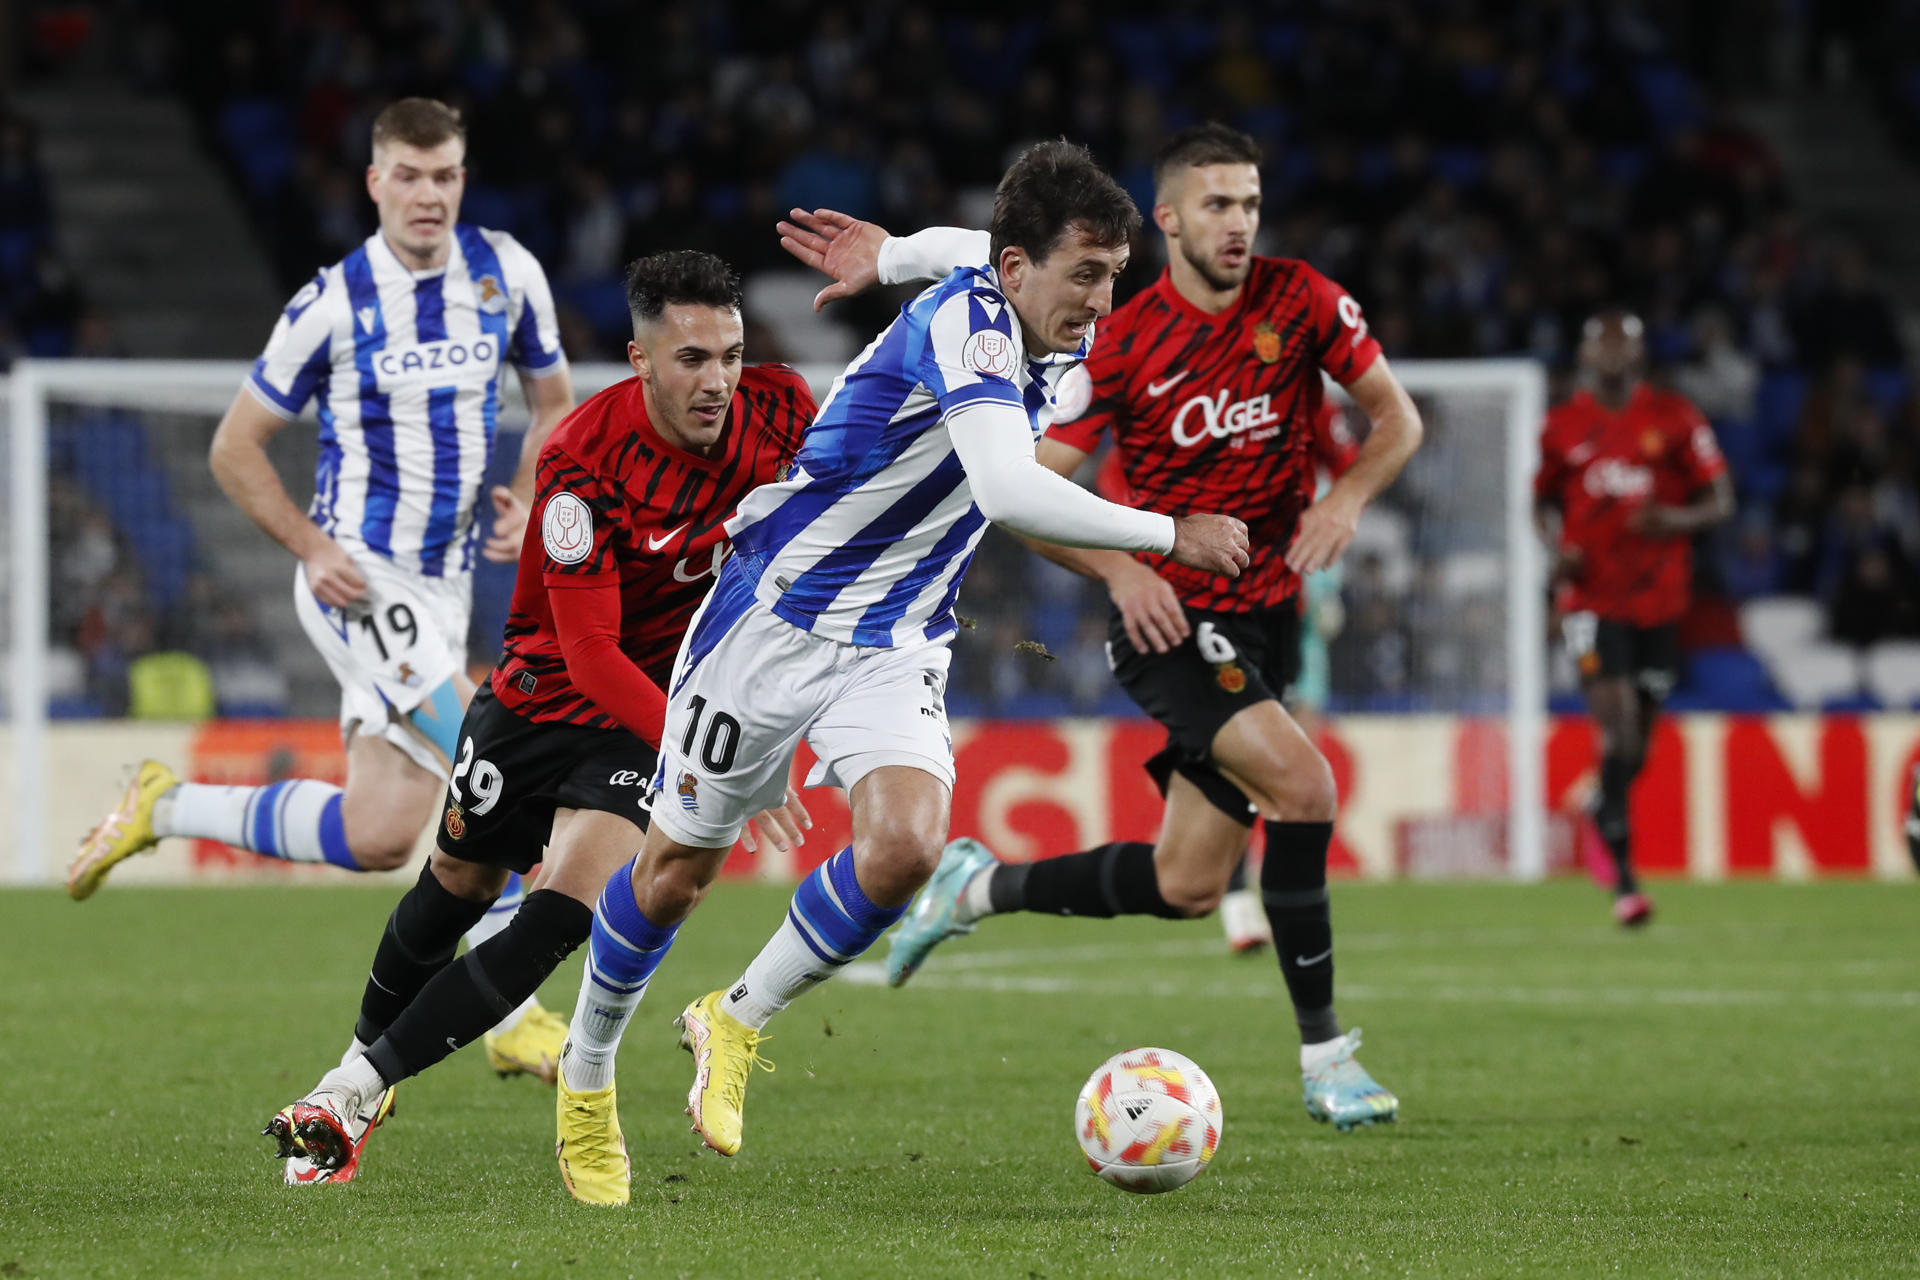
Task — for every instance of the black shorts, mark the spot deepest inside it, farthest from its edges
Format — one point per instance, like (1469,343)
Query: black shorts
(510,774)
(1228,663)
(1603,647)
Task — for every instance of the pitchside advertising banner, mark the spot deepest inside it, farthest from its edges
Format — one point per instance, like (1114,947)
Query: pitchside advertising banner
(1792,796)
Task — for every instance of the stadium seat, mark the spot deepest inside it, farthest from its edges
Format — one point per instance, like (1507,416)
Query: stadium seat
(1780,397)
(1772,625)
(1815,674)
(1893,672)
(1726,679)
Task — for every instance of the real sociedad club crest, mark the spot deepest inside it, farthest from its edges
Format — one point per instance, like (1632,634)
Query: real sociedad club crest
(493,299)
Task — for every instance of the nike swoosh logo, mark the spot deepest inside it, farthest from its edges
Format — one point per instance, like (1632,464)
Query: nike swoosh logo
(1304,961)
(654,544)
(1157,389)
(453,1044)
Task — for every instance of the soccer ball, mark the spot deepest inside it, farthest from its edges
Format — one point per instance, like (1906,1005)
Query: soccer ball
(1149,1120)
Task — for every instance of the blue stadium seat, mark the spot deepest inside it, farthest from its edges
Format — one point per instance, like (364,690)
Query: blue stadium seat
(1726,679)
(1780,396)
(1888,385)
(1462,166)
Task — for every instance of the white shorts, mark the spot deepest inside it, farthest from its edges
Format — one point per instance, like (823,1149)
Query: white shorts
(390,652)
(742,700)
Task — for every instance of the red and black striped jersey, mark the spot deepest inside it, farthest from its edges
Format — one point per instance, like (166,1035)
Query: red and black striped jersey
(616,502)
(1600,466)
(1219,413)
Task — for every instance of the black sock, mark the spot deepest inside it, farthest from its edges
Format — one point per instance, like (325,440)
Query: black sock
(1114,880)
(1293,885)
(1238,880)
(1610,816)
(421,936)
(466,999)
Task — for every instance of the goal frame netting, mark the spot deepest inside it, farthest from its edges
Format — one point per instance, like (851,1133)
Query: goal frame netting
(208,386)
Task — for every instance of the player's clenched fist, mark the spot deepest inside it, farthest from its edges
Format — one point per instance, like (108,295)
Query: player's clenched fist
(332,577)
(1213,544)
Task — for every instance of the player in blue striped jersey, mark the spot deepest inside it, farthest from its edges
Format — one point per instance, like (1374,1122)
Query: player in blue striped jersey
(401,347)
(833,617)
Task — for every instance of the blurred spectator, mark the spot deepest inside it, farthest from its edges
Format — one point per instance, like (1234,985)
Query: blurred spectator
(1721,379)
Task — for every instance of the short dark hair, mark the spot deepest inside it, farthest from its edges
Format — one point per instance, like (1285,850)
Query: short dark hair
(1055,187)
(1203,144)
(418,122)
(685,276)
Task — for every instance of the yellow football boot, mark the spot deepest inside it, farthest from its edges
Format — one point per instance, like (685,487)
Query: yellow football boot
(531,1046)
(121,834)
(725,1052)
(591,1150)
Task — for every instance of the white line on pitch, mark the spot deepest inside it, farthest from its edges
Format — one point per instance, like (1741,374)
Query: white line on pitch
(874,975)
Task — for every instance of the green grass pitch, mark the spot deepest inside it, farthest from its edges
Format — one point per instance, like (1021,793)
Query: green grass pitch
(1735,1092)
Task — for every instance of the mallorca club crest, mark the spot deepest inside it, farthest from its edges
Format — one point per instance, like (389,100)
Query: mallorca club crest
(1651,444)
(1230,676)
(689,790)
(493,299)
(456,822)
(1266,342)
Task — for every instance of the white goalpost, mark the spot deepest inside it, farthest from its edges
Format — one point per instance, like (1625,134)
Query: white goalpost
(1461,517)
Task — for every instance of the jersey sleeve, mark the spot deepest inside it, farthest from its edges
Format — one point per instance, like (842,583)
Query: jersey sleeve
(1342,342)
(299,353)
(579,519)
(970,352)
(533,347)
(1699,456)
(1095,402)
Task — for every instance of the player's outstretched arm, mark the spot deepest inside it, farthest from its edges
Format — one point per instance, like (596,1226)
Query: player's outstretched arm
(859,255)
(1329,524)
(246,475)
(1150,608)
(995,443)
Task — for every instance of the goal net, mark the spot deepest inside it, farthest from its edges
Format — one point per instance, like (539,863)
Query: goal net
(144,615)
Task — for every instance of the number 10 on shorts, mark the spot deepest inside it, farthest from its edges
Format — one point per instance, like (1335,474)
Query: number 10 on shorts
(722,741)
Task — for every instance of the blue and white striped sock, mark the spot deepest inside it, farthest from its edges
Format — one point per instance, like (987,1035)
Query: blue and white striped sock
(622,954)
(298,820)
(828,924)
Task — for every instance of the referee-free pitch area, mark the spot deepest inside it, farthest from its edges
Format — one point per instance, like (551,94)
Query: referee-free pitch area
(1734,1092)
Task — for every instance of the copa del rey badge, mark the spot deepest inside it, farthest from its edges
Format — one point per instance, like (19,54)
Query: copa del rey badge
(567,529)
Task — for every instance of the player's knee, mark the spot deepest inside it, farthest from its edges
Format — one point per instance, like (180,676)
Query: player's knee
(668,892)
(895,856)
(1300,788)
(471,881)
(1191,898)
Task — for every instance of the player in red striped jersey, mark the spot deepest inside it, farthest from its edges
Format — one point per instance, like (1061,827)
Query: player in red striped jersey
(633,490)
(1629,472)
(1210,383)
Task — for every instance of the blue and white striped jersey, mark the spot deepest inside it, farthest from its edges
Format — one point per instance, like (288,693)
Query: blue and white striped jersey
(866,539)
(405,369)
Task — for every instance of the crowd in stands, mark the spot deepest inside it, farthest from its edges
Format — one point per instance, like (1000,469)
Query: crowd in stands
(1480,177)
(41,307)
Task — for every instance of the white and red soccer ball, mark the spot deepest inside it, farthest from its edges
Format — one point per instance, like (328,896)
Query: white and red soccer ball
(1149,1120)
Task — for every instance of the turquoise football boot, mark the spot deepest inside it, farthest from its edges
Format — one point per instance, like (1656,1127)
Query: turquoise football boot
(935,913)
(1340,1091)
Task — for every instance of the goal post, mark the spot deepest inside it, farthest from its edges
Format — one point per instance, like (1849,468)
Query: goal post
(1463,508)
